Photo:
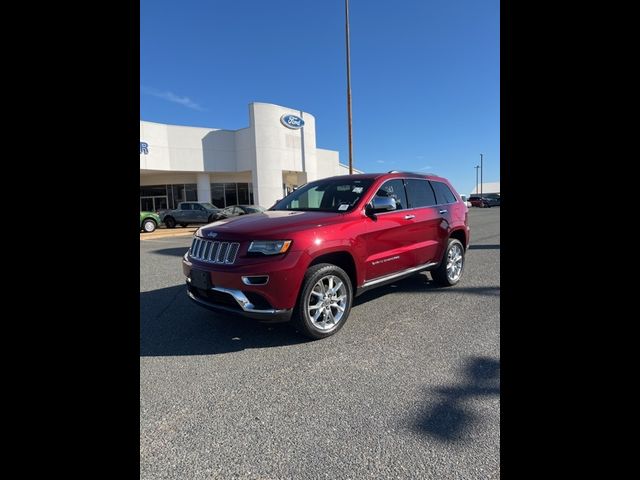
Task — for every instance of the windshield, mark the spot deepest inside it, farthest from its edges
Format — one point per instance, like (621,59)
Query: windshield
(208,206)
(330,195)
(254,209)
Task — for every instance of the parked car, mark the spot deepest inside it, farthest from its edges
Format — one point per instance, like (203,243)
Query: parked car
(149,221)
(306,258)
(236,210)
(487,200)
(191,212)
(466,202)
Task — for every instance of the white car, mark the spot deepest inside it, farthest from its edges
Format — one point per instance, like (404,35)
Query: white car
(466,202)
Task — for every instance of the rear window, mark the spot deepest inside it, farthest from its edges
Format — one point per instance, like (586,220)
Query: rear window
(443,193)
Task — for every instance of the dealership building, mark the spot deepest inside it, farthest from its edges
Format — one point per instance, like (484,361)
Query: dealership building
(258,164)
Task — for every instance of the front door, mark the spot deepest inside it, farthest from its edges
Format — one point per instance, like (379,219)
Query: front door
(388,238)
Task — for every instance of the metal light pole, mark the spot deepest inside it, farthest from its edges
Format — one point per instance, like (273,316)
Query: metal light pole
(481,177)
(346,9)
(477,167)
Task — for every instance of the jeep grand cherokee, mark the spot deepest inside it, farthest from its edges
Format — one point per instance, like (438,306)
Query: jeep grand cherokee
(308,256)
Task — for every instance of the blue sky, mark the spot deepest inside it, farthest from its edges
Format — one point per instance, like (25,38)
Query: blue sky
(425,75)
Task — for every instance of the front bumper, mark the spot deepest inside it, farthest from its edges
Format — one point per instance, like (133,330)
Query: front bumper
(230,292)
(247,309)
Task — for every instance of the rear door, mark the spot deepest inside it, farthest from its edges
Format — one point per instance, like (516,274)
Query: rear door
(387,237)
(184,213)
(446,203)
(426,232)
(200,213)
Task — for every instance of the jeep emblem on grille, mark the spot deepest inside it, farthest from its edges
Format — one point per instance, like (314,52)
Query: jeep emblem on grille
(211,234)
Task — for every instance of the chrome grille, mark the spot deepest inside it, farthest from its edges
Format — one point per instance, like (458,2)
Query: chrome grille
(214,251)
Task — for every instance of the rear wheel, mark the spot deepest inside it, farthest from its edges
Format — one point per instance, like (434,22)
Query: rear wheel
(449,272)
(324,302)
(149,225)
(170,222)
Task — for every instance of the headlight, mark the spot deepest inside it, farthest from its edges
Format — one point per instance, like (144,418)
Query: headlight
(269,247)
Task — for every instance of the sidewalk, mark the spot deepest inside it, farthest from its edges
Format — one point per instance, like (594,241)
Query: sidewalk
(163,232)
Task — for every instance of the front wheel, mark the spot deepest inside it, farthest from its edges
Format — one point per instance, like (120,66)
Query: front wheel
(148,225)
(324,302)
(449,272)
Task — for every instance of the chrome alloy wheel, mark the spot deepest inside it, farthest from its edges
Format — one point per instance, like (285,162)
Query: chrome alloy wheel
(454,263)
(327,303)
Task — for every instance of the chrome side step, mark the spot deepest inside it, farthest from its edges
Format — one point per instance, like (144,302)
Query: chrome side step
(391,276)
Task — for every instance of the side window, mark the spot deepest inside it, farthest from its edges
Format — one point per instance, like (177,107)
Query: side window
(394,189)
(443,193)
(420,193)
(185,206)
(198,207)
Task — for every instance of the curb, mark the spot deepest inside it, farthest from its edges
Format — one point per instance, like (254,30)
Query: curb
(167,234)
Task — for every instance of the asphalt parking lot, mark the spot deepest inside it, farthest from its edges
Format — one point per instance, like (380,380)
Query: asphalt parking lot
(409,388)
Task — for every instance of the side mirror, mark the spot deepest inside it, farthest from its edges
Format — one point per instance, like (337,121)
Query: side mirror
(380,204)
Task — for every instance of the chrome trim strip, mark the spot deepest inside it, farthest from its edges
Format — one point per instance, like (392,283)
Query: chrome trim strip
(245,279)
(391,276)
(241,298)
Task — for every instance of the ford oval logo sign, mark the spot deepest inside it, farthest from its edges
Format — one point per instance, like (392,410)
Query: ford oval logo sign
(291,121)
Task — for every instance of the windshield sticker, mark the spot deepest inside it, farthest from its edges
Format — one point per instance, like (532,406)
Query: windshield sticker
(343,206)
(357,190)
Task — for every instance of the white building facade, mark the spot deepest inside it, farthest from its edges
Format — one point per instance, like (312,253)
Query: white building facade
(491,187)
(255,165)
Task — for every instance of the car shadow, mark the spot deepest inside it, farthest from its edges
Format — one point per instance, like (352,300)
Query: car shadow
(172,252)
(421,283)
(484,247)
(451,414)
(171,325)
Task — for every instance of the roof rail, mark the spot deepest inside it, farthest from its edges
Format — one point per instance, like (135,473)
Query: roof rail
(412,173)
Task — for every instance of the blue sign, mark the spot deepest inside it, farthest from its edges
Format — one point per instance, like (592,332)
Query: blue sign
(291,121)
(144,148)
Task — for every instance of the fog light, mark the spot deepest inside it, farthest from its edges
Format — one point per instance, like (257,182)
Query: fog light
(255,280)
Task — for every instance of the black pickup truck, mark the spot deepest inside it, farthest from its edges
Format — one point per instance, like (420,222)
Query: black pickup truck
(191,212)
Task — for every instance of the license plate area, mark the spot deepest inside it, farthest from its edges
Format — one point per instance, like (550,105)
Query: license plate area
(200,279)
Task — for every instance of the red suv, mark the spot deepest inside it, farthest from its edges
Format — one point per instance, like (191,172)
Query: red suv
(308,256)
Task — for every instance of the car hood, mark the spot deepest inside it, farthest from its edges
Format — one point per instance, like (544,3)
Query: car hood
(269,224)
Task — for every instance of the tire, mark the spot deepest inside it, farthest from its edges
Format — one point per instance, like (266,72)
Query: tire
(149,225)
(449,277)
(184,225)
(211,219)
(170,222)
(321,326)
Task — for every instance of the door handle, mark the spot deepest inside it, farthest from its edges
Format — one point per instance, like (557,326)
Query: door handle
(409,217)
(443,211)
